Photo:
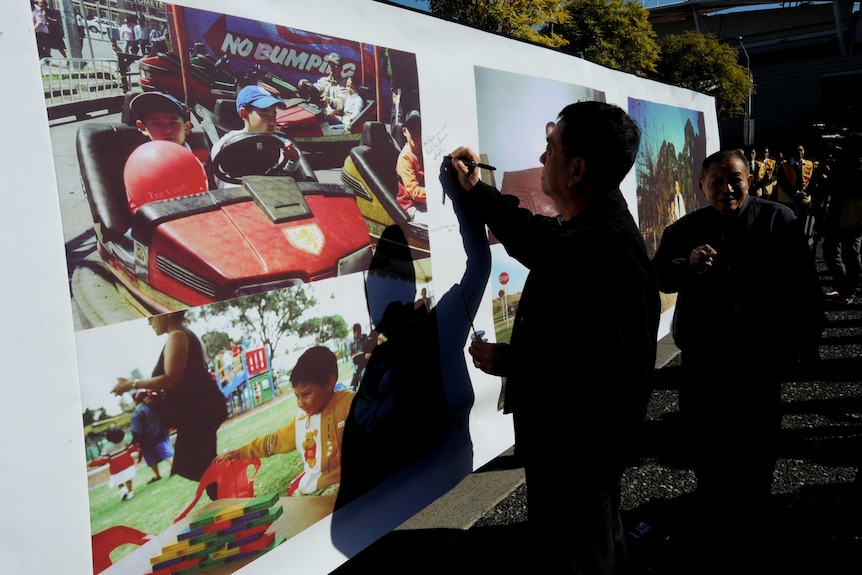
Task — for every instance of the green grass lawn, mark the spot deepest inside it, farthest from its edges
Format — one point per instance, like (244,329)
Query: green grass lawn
(155,505)
(504,333)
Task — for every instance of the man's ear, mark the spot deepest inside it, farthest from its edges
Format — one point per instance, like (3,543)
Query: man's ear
(188,128)
(243,113)
(578,169)
(700,186)
(142,128)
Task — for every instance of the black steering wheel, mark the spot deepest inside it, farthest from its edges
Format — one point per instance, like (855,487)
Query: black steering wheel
(222,62)
(250,154)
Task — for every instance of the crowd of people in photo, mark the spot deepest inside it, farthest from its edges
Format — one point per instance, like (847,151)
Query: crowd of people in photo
(134,36)
(48,27)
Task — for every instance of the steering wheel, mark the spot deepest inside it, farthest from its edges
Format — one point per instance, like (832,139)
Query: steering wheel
(250,154)
(222,62)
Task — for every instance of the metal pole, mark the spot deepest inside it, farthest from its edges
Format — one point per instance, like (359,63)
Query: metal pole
(750,83)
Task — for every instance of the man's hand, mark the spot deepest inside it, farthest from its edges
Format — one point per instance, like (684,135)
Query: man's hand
(702,257)
(468,176)
(492,358)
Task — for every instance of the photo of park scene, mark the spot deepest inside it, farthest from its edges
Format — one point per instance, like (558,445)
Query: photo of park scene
(253,345)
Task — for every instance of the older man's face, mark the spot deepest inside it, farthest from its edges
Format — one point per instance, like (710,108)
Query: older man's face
(726,184)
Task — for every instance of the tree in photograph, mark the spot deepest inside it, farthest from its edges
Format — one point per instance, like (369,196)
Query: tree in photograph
(531,20)
(701,63)
(324,328)
(613,33)
(90,416)
(271,315)
(215,341)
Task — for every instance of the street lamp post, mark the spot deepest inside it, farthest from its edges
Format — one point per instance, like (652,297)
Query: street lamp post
(748,127)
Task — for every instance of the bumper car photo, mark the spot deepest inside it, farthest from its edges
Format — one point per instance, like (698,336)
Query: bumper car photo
(174,243)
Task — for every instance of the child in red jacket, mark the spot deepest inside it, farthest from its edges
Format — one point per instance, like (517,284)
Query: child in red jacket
(121,464)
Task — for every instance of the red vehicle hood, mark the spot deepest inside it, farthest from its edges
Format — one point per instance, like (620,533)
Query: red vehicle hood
(237,243)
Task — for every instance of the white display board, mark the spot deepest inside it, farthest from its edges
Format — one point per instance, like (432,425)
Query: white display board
(492,94)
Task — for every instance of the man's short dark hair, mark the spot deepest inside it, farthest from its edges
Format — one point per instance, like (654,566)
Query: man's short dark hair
(721,155)
(316,365)
(605,136)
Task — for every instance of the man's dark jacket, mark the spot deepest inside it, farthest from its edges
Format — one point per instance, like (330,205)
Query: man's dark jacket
(583,344)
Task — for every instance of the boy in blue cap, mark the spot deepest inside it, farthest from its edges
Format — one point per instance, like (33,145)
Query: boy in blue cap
(258,109)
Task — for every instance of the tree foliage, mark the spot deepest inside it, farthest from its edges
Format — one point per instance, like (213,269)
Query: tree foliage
(616,34)
(323,329)
(89,416)
(270,315)
(215,342)
(613,33)
(701,63)
(661,168)
(521,19)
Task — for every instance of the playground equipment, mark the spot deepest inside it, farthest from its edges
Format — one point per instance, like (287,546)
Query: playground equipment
(246,379)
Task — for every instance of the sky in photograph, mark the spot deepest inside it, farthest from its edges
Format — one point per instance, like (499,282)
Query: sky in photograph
(514,109)
(663,123)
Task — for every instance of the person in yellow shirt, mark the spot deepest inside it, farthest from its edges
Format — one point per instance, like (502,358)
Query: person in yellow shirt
(317,429)
(793,179)
(757,169)
(770,178)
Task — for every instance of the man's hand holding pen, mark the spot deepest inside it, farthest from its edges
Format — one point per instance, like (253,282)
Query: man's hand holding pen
(472,164)
(465,161)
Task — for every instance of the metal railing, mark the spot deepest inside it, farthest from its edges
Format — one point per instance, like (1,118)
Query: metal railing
(69,80)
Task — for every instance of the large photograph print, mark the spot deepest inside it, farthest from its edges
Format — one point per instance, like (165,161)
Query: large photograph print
(673,146)
(157,489)
(303,287)
(157,234)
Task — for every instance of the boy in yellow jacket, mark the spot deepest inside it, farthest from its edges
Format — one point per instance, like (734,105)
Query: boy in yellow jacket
(317,429)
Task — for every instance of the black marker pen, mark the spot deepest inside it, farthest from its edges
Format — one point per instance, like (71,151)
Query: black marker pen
(472,164)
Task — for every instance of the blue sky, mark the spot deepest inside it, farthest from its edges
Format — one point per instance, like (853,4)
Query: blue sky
(418,4)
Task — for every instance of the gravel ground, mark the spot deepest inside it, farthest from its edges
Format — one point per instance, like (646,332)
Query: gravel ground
(815,500)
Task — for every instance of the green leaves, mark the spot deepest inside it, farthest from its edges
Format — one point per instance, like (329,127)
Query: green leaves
(700,62)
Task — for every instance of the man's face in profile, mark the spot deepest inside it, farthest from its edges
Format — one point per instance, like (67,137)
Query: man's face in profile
(557,167)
